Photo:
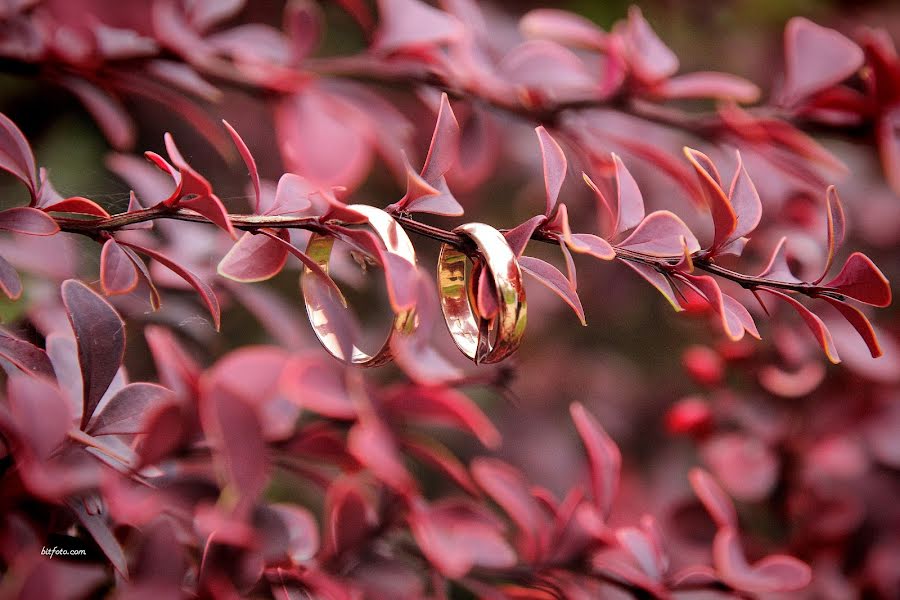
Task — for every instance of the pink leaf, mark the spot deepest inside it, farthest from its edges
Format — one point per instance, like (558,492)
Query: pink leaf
(206,294)
(519,236)
(862,280)
(248,160)
(630,202)
(563,27)
(816,58)
(15,155)
(444,143)
(587,243)
(318,385)
(650,58)
(723,214)
(604,456)
(744,201)
(30,221)
(550,276)
(40,413)
(100,334)
(737,312)
(657,280)
(706,285)
(112,118)
(708,84)
(118,274)
(254,258)
(428,451)
(411,24)
(777,573)
(745,465)
(373,445)
(661,233)
(126,412)
(778,268)
(349,517)
(836,228)
(554,167)
(166,429)
(714,499)
(815,324)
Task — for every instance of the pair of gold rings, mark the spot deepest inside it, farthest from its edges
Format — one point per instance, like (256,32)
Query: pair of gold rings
(482,338)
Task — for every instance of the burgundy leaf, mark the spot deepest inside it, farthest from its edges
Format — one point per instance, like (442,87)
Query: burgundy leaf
(723,213)
(31,221)
(604,457)
(10,283)
(112,118)
(657,280)
(373,445)
(778,268)
(487,304)
(101,530)
(248,160)
(859,322)
(27,357)
(433,453)
(15,155)
(319,385)
(40,413)
(206,294)
(815,324)
(732,322)
(127,410)
(100,334)
(254,258)
(661,233)
(550,276)
(862,280)
(166,429)
(554,167)
(118,273)
(519,236)
(349,517)
(816,58)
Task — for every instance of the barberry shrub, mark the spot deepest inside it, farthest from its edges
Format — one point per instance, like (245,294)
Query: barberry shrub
(171,427)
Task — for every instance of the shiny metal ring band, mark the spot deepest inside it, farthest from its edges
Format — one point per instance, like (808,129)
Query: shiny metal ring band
(482,340)
(395,241)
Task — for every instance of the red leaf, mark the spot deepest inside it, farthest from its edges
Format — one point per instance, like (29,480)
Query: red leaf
(554,167)
(604,457)
(778,268)
(860,323)
(661,233)
(745,465)
(175,367)
(862,280)
(212,208)
(27,220)
(126,412)
(563,27)
(738,313)
(166,429)
(444,143)
(254,258)
(206,294)
(319,385)
(248,160)
(509,489)
(714,499)
(15,155)
(79,206)
(816,58)
(411,24)
(744,201)
(100,334)
(732,324)
(550,276)
(118,274)
(455,536)
(815,324)
(431,452)
(108,112)
(439,405)
(27,357)
(723,213)
(836,227)
(776,573)
(10,283)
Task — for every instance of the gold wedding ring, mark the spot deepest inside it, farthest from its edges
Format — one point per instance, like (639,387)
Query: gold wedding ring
(484,340)
(395,241)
